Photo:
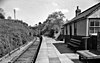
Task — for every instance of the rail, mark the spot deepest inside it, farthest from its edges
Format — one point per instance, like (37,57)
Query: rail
(10,53)
(28,55)
(12,57)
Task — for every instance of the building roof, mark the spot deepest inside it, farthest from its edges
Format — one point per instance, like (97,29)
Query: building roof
(86,13)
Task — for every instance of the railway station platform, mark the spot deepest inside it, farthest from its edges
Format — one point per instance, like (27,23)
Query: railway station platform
(48,53)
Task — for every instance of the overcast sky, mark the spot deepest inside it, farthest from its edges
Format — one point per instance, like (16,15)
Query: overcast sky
(34,11)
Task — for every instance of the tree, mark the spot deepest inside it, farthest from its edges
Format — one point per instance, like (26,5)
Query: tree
(2,13)
(56,15)
(2,16)
(40,23)
(56,18)
(9,17)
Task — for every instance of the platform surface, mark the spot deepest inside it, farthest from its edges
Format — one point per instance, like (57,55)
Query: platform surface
(49,53)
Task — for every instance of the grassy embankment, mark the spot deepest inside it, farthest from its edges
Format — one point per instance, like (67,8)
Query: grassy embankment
(13,33)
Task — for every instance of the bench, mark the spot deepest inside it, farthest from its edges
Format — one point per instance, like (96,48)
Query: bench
(74,44)
(88,57)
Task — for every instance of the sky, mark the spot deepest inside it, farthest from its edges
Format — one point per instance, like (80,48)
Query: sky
(34,11)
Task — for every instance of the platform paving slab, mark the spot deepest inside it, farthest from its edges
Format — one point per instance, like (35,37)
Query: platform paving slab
(50,54)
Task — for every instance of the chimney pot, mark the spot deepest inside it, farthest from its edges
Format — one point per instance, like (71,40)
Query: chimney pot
(78,11)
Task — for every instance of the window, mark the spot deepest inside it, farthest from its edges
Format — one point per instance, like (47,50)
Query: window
(91,30)
(96,23)
(94,26)
(97,29)
(92,23)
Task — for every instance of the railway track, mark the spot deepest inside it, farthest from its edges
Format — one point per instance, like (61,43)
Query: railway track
(29,55)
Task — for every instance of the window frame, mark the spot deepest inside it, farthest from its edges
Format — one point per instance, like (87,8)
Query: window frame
(95,26)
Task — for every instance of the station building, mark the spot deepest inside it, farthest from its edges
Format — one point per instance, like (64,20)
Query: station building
(84,24)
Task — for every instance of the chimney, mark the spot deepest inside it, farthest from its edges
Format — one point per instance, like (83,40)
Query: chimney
(78,11)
